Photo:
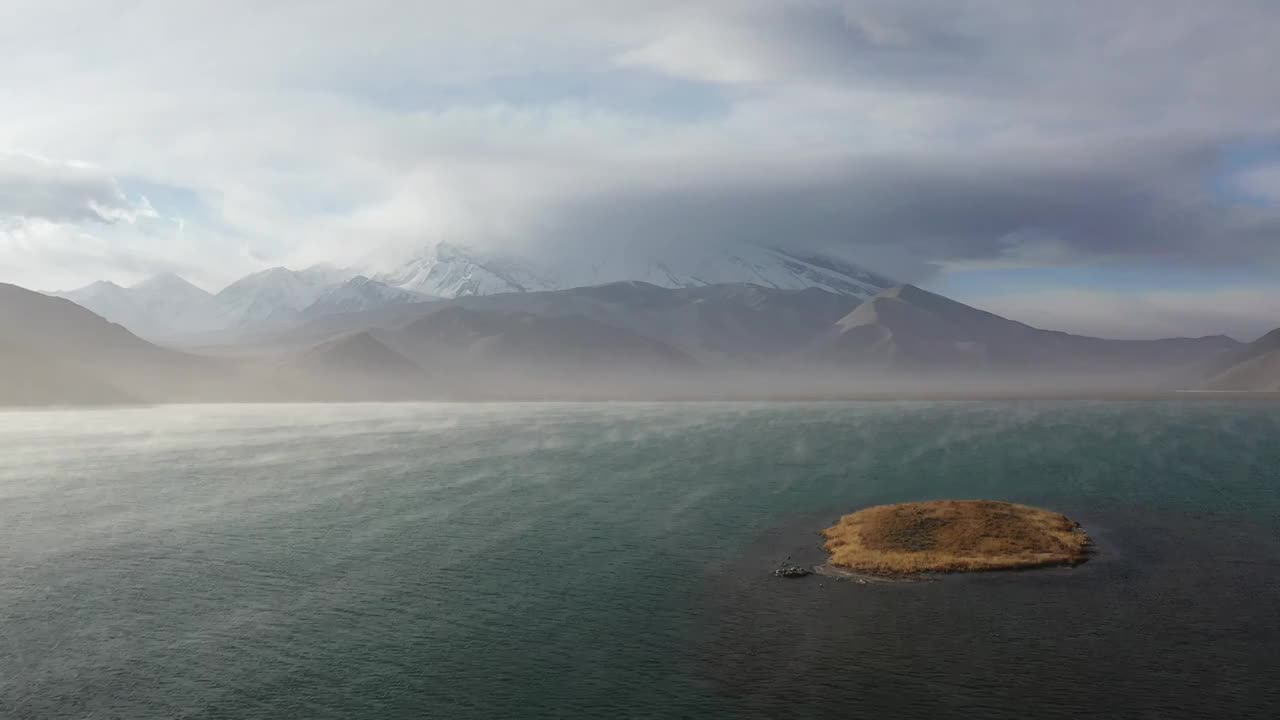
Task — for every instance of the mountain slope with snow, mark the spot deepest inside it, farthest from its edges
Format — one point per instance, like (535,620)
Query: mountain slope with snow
(276,296)
(360,294)
(160,307)
(107,299)
(449,271)
(766,267)
(167,307)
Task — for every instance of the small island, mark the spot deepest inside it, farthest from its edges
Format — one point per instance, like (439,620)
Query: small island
(946,536)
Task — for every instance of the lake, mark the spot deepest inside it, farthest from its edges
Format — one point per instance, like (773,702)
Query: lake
(614,560)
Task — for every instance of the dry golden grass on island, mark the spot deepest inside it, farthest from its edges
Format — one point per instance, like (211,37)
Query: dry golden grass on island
(953,536)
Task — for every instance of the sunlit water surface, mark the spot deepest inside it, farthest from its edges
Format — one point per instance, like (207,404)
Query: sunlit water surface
(584,561)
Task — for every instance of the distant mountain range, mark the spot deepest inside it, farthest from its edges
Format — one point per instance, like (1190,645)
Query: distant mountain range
(275,297)
(1252,368)
(54,351)
(362,339)
(908,329)
(168,308)
(153,308)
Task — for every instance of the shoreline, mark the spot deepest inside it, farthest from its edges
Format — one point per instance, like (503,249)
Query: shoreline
(830,570)
(829,398)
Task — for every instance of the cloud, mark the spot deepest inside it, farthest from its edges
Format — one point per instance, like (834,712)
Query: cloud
(63,222)
(1261,183)
(807,42)
(918,212)
(916,135)
(39,188)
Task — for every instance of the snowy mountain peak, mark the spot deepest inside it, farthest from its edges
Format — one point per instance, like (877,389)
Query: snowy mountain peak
(361,293)
(276,295)
(159,307)
(168,283)
(450,270)
(167,306)
(830,273)
(97,286)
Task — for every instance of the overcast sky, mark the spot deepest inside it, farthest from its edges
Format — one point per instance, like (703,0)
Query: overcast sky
(1105,167)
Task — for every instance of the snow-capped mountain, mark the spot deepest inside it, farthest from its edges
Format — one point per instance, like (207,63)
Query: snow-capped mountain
(104,298)
(168,295)
(358,294)
(767,267)
(275,296)
(159,307)
(449,270)
(166,307)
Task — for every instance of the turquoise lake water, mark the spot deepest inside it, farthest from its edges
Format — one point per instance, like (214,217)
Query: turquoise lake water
(585,561)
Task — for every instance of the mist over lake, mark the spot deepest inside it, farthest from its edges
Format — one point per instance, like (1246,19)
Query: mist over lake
(614,560)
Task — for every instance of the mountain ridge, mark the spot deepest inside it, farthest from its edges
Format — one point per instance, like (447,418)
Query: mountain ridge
(358,294)
(166,307)
(1252,368)
(621,340)
(908,327)
(85,358)
(746,327)
(448,270)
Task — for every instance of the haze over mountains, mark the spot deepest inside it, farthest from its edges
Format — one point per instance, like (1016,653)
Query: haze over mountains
(152,308)
(1252,368)
(814,332)
(908,328)
(169,308)
(54,351)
